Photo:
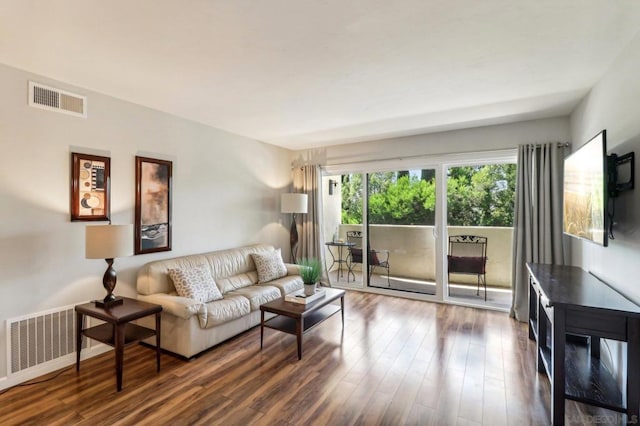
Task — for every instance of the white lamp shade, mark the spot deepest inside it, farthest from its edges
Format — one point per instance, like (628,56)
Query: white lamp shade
(293,203)
(108,241)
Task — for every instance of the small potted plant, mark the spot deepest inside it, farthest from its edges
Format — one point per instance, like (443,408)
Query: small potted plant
(310,272)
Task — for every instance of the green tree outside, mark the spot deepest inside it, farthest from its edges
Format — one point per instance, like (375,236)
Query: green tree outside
(477,196)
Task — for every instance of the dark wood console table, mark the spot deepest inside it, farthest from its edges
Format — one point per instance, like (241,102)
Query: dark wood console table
(567,305)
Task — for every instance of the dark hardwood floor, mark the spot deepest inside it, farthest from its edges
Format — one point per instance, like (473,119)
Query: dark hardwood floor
(398,362)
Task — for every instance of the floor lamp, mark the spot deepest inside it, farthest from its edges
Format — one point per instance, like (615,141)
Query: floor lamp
(293,203)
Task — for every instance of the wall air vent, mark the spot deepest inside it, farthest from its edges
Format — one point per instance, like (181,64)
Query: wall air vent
(41,96)
(40,338)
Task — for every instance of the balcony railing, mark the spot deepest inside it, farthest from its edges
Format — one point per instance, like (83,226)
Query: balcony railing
(412,250)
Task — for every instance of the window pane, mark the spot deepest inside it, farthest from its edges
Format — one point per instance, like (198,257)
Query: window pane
(481,195)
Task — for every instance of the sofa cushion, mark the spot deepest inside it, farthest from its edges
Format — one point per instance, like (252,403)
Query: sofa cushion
(153,277)
(269,265)
(258,294)
(237,281)
(287,284)
(181,307)
(195,282)
(224,310)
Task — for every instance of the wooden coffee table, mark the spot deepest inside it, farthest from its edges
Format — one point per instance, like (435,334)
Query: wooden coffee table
(297,319)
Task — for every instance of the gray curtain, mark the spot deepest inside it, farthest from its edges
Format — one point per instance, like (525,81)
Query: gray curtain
(538,217)
(306,179)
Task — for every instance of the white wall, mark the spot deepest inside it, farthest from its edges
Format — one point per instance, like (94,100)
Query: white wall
(331,208)
(614,104)
(225,193)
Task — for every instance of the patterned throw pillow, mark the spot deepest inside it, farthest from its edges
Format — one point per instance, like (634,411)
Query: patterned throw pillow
(195,283)
(269,265)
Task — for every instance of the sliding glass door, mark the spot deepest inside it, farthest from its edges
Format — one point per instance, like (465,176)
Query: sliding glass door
(401,212)
(480,204)
(388,228)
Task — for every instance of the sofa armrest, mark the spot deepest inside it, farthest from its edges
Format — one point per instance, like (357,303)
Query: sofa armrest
(292,269)
(182,307)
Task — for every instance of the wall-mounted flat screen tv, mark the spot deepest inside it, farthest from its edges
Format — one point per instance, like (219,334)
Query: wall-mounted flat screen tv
(585,191)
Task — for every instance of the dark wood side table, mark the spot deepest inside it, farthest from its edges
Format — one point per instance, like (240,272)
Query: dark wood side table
(565,301)
(117,331)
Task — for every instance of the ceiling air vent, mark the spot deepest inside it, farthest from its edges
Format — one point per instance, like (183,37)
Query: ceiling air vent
(41,96)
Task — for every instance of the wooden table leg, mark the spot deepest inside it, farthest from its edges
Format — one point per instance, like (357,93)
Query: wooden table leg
(533,306)
(633,370)
(261,327)
(119,347)
(542,331)
(79,326)
(299,329)
(594,346)
(158,342)
(558,342)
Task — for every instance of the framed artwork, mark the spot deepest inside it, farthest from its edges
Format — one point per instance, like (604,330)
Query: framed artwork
(90,187)
(153,205)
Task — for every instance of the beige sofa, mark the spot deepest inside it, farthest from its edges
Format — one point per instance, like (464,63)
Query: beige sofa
(188,326)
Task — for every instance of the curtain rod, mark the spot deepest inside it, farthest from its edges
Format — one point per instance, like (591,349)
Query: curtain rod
(419,156)
(301,166)
(560,144)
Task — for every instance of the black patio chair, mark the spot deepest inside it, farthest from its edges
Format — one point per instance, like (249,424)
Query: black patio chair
(468,255)
(377,258)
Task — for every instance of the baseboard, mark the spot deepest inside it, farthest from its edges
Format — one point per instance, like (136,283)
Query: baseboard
(49,367)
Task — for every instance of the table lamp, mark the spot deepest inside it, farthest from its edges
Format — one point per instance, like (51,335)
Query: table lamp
(293,203)
(108,242)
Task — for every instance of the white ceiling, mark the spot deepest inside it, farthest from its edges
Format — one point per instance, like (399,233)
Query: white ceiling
(308,73)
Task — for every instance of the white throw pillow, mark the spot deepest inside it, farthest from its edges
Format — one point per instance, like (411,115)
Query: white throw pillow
(195,283)
(269,265)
